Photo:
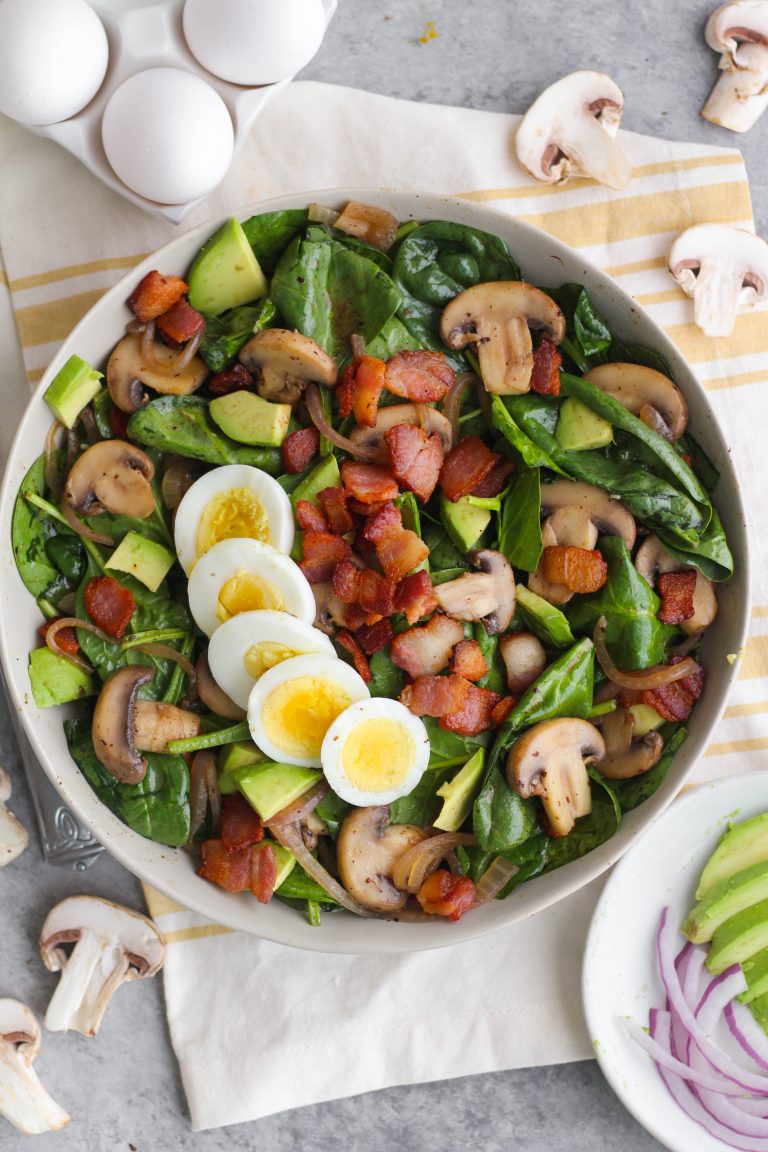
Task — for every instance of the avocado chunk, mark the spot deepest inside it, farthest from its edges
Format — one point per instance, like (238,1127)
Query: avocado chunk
(225,273)
(284,864)
(73,386)
(459,794)
(741,846)
(464,522)
(579,428)
(725,900)
(542,618)
(756,975)
(325,474)
(246,418)
(233,758)
(271,787)
(739,938)
(646,719)
(55,680)
(145,559)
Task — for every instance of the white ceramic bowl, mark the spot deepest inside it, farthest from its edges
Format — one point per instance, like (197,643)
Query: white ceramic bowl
(544,261)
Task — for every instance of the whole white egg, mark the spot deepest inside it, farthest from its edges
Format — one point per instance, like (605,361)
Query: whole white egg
(235,500)
(53,58)
(375,752)
(253,41)
(168,135)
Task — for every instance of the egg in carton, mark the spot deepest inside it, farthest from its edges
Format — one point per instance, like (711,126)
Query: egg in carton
(154,98)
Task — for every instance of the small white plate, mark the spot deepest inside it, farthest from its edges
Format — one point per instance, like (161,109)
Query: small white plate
(620,976)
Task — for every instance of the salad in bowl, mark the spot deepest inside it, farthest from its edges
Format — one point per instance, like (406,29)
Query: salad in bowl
(371,574)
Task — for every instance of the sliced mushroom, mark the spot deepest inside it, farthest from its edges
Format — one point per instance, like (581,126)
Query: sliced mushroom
(739,32)
(638,387)
(367,851)
(725,270)
(550,761)
(570,131)
(394,414)
(497,318)
(23,1100)
(367,222)
(128,374)
(214,697)
(112,944)
(13,835)
(284,362)
(524,659)
(111,476)
(652,559)
(487,595)
(626,756)
(157,723)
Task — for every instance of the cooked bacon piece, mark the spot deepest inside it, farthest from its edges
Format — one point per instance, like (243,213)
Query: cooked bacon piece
(399,550)
(416,458)
(234,379)
(443,894)
(227,867)
(386,522)
(415,596)
(181,322)
(66,638)
(466,466)
(426,650)
(368,483)
(109,605)
(154,295)
(494,482)
(501,711)
(118,422)
(420,377)
(376,594)
(241,826)
(360,389)
(694,682)
(263,871)
(348,642)
(475,714)
(372,637)
(346,582)
(545,375)
(579,569)
(435,695)
(468,660)
(361,509)
(299,449)
(350,616)
(334,504)
(322,552)
(675,701)
(676,590)
(310,518)
(629,696)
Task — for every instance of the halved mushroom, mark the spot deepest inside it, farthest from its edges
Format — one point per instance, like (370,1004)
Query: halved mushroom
(652,559)
(214,697)
(487,595)
(367,850)
(13,835)
(111,476)
(23,1100)
(112,944)
(725,270)
(739,31)
(550,761)
(639,388)
(284,362)
(524,659)
(497,318)
(128,373)
(394,414)
(625,756)
(570,131)
(156,724)
(368,222)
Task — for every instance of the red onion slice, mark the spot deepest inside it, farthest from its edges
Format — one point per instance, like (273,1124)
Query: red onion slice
(317,416)
(643,678)
(77,525)
(748,1032)
(301,807)
(660,1052)
(452,402)
(165,652)
(412,868)
(53,630)
(289,836)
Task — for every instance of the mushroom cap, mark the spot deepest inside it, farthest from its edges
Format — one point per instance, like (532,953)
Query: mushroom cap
(137,935)
(18,1025)
(127,374)
(487,595)
(524,659)
(156,723)
(113,724)
(569,130)
(725,269)
(609,516)
(549,746)
(735,23)
(641,756)
(394,414)
(112,476)
(367,850)
(286,361)
(635,385)
(13,835)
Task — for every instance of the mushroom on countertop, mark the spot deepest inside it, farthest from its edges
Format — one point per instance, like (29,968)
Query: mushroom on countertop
(638,388)
(626,756)
(487,595)
(367,850)
(111,476)
(570,131)
(550,761)
(23,1100)
(284,362)
(739,32)
(725,270)
(496,318)
(652,559)
(128,373)
(13,835)
(112,944)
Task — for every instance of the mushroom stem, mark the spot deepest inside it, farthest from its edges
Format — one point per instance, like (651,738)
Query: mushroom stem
(13,835)
(95,970)
(23,1099)
(716,299)
(740,95)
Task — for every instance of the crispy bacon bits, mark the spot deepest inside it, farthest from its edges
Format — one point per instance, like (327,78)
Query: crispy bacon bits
(373,637)
(263,871)
(334,504)
(443,894)
(426,650)
(435,695)
(360,389)
(154,295)
(181,322)
(234,379)
(109,605)
(501,711)
(368,483)
(310,518)
(351,645)
(474,715)
(241,826)
(322,552)
(415,596)
(253,867)
(416,458)
(421,377)
(66,638)
(675,701)
(545,376)
(398,549)
(468,660)
(579,569)
(676,590)
(466,466)
(299,449)
(496,479)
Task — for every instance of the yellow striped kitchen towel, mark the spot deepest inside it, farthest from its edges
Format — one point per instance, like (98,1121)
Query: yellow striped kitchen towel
(258,1028)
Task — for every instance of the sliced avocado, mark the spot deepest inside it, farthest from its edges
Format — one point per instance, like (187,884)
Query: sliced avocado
(725,900)
(73,386)
(739,938)
(646,719)
(458,794)
(271,787)
(544,619)
(464,522)
(759,1009)
(234,758)
(246,418)
(756,975)
(55,680)
(225,272)
(741,846)
(325,474)
(579,428)
(284,864)
(145,559)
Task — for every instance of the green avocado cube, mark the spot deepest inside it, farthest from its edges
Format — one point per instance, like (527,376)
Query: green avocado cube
(145,559)
(234,758)
(459,794)
(271,787)
(55,680)
(464,522)
(325,474)
(225,273)
(73,386)
(246,418)
(580,429)
(284,864)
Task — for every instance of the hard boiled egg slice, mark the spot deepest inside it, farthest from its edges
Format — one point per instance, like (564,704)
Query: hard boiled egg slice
(239,576)
(235,500)
(375,752)
(292,706)
(248,645)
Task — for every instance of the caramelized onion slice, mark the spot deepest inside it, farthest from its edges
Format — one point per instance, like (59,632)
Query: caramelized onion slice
(204,792)
(413,867)
(301,807)
(317,416)
(73,622)
(77,525)
(644,678)
(452,402)
(165,652)
(496,876)
(289,836)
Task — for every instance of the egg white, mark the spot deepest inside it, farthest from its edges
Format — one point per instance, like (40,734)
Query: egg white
(231,478)
(332,752)
(227,560)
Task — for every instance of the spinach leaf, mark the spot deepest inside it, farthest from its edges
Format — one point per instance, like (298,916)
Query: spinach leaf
(422,805)
(182,425)
(495,678)
(225,335)
(394,337)
(520,524)
(530,857)
(67,553)
(632,792)
(270,233)
(583,325)
(447,750)
(532,453)
(332,810)
(388,679)
(711,555)
(543,619)
(31,529)
(589,832)
(500,818)
(298,885)
(444,556)
(700,461)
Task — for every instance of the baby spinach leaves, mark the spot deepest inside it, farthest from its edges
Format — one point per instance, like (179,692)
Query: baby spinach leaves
(182,425)
(519,521)
(270,233)
(225,335)
(30,532)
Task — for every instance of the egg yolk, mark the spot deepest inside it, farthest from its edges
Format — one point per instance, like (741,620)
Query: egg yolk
(245,592)
(261,657)
(377,755)
(297,715)
(236,513)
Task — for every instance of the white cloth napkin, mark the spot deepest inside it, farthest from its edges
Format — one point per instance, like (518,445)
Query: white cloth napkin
(258,1028)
